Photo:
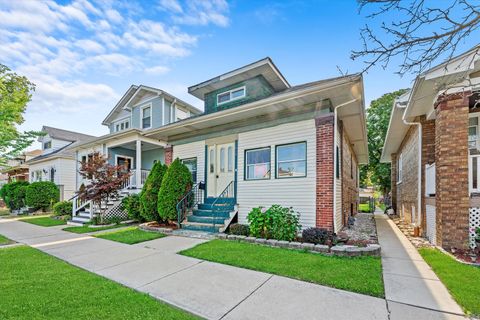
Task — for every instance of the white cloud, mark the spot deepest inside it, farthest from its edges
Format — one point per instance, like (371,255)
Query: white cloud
(90,46)
(114,16)
(171,5)
(197,12)
(157,70)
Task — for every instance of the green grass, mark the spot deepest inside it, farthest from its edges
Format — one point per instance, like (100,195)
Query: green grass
(130,235)
(86,229)
(34,285)
(364,207)
(4,240)
(44,221)
(463,281)
(362,274)
(4,212)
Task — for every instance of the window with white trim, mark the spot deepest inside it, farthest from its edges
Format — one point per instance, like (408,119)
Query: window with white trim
(257,164)
(122,125)
(400,168)
(473,132)
(147,117)
(291,160)
(47,145)
(231,95)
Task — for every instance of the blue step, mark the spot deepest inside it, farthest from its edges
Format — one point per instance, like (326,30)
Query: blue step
(195,226)
(221,200)
(210,220)
(209,206)
(210,213)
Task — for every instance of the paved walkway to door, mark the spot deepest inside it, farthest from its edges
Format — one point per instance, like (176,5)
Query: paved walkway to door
(211,290)
(409,281)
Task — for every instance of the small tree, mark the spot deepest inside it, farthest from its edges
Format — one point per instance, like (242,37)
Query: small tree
(149,196)
(42,195)
(176,183)
(104,180)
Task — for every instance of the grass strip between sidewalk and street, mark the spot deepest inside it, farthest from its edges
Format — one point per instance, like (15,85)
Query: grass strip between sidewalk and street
(359,274)
(462,280)
(34,285)
(4,240)
(130,235)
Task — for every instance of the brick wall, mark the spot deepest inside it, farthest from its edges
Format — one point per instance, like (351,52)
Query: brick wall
(168,155)
(324,168)
(407,189)
(428,157)
(451,161)
(349,166)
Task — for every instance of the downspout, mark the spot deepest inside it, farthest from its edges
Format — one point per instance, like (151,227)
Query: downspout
(419,204)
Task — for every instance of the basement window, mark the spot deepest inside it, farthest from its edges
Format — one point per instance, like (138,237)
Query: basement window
(231,95)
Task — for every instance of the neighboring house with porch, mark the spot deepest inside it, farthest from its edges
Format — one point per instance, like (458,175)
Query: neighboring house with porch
(56,163)
(259,142)
(17,168)
(433,145)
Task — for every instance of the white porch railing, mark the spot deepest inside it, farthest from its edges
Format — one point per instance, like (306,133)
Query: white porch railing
(144,175)
(430,179)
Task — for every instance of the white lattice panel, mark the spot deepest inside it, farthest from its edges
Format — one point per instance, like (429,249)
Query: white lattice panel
(474,223)
(431,224)
(116,211)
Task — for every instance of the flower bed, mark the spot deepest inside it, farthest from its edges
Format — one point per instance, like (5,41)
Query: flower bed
(158,227)
(338,250)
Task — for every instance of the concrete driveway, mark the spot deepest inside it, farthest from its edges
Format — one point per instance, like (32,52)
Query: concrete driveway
(210,290)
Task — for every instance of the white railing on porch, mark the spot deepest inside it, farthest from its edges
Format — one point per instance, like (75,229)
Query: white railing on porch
(144,175)
(430,179)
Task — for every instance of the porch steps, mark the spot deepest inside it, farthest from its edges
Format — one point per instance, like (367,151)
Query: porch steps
(204,218)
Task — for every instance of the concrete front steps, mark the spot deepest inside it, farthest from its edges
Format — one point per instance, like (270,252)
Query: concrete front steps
(205,219)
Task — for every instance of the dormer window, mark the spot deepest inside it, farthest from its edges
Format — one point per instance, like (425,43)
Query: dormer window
(122,125)
(147,117)
(47,145)
(231,95)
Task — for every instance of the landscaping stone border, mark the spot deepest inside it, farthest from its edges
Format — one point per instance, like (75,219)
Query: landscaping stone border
(341,250)
(146,227)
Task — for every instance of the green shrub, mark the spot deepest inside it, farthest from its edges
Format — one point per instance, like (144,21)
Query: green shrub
(240,229)
(176,182)
(149,196)
(13,194)
(132,205)
(63,208)
(277,222)
(42,195)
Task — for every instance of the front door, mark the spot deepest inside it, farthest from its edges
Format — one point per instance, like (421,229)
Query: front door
(221,167)
(125,162)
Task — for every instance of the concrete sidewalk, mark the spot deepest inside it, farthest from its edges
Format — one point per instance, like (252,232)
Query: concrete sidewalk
(210,290)
(409,281)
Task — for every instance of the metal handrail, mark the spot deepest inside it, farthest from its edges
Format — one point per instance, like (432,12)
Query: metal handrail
(189,201)
(227,193)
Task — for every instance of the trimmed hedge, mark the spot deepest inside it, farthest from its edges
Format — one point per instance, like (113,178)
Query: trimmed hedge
(42,195)
(63,208)
(132,205)
(177,181)
(240,229)
(13,194)
(149,196)
(318,236)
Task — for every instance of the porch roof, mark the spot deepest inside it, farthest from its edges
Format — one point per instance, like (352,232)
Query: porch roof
(303,100)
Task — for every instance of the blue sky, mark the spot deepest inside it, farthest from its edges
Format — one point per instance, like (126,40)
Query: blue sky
(84,54)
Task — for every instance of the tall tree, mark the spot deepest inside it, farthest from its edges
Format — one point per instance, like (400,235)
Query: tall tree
(417,31)
(15,93)
(378,117)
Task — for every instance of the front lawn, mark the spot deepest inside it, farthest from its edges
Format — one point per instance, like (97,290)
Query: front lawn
(130,235)
(463,281)
(4,240)
(361,274)
(86,229)
(44,221)
(34,285)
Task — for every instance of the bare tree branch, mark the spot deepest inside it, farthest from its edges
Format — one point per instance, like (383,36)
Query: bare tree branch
(420,35)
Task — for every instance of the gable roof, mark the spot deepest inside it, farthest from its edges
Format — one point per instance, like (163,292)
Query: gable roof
(65,135)
(264,67)
(119,106)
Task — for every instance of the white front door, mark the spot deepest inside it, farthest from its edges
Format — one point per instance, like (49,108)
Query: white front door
(221,167)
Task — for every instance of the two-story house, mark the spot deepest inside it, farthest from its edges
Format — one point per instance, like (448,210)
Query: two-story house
(17,168)
(56,163)
(259,142)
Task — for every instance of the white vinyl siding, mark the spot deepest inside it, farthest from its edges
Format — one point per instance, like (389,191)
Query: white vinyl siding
(192,150)
(299,193)
(64,174)
(338,182)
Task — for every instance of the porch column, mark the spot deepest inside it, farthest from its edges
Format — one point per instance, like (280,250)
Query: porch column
(138,164)
(451,161)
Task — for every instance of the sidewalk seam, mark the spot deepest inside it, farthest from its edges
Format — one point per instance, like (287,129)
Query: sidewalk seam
(170,274)
(426,308)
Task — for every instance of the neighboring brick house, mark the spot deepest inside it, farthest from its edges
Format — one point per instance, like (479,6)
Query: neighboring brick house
(433,144)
